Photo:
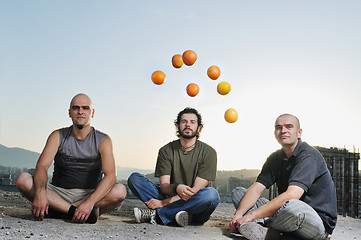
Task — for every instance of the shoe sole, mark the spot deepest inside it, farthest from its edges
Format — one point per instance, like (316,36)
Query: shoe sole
(182,218)
(137,215)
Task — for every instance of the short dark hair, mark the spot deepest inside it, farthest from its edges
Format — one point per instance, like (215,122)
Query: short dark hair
(189,110)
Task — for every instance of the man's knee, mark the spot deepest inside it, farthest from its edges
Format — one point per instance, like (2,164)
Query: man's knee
(294,206)
(24,181)
(118,193)
(210,195)
(134,178)
(237,194)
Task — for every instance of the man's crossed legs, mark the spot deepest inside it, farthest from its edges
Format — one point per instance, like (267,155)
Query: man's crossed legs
(200,206)
(295,218)
(63,202)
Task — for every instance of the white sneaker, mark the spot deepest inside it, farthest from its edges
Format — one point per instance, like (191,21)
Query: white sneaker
(253,231)
(182,218)
(144,215)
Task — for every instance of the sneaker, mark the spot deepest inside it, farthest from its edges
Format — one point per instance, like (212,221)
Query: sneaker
(144,215)
(182,218)
(253,231)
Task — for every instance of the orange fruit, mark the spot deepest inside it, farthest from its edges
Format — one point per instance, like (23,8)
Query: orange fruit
(231,115)
(192,89)
(189,57)
(158,77)
(213,72)
(177,61)
(223,88)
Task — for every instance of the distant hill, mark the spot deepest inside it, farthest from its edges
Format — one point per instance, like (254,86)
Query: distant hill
(18,157)
(124,172)
(223,176)
(241,174)
(22,158)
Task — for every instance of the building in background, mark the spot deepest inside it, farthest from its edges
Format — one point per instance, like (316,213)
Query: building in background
(344,169)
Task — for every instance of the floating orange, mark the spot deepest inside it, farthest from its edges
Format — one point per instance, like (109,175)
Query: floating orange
(158,77)
(223,88)
(177,61)
(192,89)
(231,115)
(213,72)
(189,57)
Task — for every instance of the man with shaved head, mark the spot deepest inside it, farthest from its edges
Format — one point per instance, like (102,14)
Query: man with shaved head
(306,203)
(83,184)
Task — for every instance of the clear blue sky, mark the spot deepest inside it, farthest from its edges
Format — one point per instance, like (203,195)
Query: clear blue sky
(300,57)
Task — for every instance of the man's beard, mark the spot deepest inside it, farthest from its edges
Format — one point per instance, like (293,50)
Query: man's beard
(79,126)
(187,136)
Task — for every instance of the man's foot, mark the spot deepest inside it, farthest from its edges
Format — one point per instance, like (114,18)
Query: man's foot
(54,214)
(253,231)
(94,215)
(182,218)
(144,215)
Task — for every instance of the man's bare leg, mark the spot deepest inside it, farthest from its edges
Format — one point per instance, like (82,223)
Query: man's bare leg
(25,183)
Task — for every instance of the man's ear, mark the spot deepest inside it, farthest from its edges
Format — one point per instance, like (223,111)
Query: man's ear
(299,133)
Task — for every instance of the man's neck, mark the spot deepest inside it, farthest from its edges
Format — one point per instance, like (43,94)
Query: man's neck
(289,149)
(187,142)
(81,133)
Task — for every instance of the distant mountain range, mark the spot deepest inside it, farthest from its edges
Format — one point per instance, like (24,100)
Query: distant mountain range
(22,158)
(18,157)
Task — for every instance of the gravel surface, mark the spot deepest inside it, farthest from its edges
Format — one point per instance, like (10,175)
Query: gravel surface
(16,222)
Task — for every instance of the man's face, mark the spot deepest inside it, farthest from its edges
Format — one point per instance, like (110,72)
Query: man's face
(188,126)
(81,111)
(287,131)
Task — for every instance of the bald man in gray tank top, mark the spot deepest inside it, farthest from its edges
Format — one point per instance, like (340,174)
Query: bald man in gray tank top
(83,184)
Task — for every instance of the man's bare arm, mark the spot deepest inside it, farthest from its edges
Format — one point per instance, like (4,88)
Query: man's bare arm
(249,199)
(40,202)
(185,192)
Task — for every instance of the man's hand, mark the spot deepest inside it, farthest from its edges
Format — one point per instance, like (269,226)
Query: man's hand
(82,212)
(184,192)
(238,221)
(155,203)
(40,205)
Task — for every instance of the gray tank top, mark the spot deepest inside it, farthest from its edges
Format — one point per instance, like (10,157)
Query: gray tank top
(77,163)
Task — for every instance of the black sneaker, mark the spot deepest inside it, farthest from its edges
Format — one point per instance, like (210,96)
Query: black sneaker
(144,215)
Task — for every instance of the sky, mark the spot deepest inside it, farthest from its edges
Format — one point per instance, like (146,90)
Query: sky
(298,57)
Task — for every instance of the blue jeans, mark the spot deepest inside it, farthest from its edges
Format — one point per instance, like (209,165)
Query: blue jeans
(295,217)
(201,205)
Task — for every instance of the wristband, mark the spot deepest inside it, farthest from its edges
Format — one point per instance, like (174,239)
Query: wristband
(175,189)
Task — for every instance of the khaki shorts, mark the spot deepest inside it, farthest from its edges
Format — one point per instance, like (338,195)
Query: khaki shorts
(70,195)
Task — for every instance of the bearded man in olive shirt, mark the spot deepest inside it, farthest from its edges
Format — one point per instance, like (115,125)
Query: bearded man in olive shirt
(184,167)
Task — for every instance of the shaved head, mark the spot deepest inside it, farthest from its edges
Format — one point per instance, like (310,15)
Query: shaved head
(82,95)
(293,116)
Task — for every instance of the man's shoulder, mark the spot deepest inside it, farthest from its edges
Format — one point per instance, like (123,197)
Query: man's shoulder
(98,132)
(276,154)
(306,149)
(170,145)
(206,146)
(64,131)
